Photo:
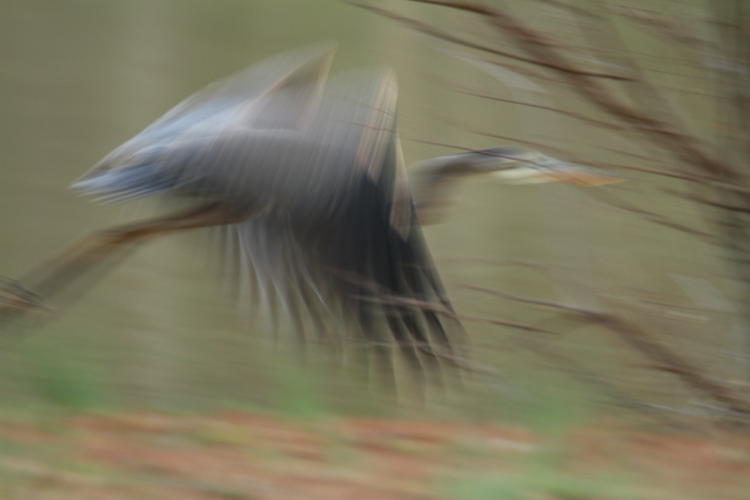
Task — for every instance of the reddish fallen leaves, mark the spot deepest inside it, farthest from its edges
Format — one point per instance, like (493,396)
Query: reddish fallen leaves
(248,456)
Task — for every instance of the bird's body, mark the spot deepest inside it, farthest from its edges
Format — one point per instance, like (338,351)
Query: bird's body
(320,219)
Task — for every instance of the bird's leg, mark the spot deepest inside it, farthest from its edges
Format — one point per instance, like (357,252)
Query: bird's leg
(74,262)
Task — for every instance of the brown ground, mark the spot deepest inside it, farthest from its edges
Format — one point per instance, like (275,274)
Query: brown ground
(248,456)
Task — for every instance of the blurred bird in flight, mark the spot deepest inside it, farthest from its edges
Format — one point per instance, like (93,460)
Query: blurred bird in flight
(303,176)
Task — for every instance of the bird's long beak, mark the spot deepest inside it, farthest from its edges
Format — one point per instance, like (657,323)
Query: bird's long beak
(570,175)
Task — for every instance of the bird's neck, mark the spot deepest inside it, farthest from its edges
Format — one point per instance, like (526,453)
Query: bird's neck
(435,185)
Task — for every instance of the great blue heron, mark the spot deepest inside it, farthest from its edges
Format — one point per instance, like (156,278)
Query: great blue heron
(305,177)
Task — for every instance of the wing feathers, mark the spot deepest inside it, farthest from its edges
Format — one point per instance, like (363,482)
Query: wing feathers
(339,244)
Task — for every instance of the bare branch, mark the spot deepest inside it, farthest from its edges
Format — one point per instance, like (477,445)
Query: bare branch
(546,54)
(571,114)
(432,31)
(642,342)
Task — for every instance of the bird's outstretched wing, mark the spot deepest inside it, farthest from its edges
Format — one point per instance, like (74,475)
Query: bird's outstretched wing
(281,92)
(358,255)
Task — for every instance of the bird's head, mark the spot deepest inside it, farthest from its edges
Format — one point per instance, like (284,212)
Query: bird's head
(434,181)
(514,165)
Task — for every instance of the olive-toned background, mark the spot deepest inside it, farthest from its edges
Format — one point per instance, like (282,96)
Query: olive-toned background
(77,77)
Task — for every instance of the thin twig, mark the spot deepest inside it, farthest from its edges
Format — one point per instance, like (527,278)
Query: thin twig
(639,340)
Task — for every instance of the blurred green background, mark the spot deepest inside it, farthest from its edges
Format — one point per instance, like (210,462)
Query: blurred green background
(77,77)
